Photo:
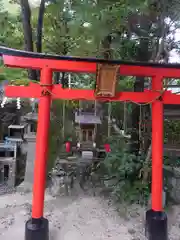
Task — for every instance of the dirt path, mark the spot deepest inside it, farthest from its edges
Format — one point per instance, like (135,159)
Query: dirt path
(78,218)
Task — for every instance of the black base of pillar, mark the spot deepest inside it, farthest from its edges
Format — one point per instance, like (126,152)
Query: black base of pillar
(156,225)
(37,229)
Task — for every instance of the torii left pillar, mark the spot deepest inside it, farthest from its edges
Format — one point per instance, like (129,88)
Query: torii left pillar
(37,228)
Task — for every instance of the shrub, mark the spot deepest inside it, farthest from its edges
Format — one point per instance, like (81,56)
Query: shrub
(130,174)
(2,77)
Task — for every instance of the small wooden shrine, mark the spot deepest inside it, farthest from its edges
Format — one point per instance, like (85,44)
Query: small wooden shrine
(86,121)
(12,162)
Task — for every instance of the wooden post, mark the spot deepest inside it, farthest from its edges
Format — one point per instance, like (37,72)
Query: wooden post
(109,119)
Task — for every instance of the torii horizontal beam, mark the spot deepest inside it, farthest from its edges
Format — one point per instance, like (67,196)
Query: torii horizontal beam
(21,59)
(57,92)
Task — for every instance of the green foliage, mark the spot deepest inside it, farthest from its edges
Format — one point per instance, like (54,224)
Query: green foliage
(11,30)
(57,38)
(56,140)
(2,77)
(11,7)
(14,75)
(126,170)
(171,131)
(55,134)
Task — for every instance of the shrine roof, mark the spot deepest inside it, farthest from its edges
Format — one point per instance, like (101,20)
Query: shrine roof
(31,116)
(16,126)
(87,119)
(20,53)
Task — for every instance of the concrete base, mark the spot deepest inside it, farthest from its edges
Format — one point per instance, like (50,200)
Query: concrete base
(156,225)
(37,229)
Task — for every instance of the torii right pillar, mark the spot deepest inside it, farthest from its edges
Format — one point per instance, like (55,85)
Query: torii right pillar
(156,218)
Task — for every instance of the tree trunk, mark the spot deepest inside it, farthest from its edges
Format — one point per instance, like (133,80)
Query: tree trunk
(40,26)
(63,77)
(40,29)
(142,55)
(27,29)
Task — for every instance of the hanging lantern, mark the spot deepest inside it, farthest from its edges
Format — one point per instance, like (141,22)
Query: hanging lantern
(107,147)
(32,100)
(68,146)
(4,101)
(18,103)
(78,145)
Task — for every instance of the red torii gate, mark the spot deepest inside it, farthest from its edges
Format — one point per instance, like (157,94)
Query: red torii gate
(156,219)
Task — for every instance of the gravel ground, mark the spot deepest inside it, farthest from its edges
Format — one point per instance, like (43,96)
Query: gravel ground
(78,218)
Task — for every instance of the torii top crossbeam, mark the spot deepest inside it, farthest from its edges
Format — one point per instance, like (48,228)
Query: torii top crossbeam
(23,59)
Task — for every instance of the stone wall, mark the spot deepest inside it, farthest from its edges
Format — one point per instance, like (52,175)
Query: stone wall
(173,177)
